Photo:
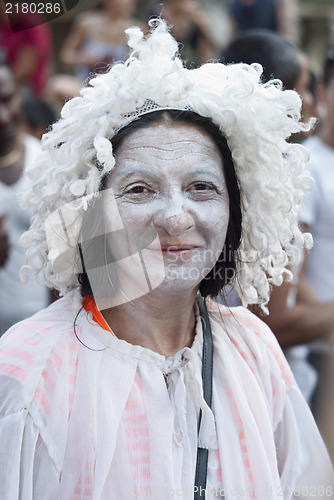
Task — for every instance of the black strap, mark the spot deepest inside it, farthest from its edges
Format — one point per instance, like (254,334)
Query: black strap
(207,362)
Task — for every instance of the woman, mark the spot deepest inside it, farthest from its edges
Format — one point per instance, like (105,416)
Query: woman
(95,41)
(281,16)
(157,183)
(17,151)
(97,38)
(190,25)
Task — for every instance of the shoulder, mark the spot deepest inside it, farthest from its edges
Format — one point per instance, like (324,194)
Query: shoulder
(255,343)
(249,361)
(34,355)
(242,320)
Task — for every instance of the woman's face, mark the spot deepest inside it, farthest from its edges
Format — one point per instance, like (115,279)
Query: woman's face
(168,193)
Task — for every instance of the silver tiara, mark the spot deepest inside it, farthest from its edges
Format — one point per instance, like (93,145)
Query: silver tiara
(149,106)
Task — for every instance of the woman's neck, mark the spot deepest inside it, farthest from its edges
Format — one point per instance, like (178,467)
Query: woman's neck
(162,324)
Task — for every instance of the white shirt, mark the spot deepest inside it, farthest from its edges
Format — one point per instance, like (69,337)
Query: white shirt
(317,211)
(18,300)
(103,419)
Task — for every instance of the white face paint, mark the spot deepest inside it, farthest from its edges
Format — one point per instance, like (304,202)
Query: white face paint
(168,181)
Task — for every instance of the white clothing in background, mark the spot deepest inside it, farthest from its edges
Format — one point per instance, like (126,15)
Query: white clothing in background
(111,420)
(18,300)
(317,211)
(297,356)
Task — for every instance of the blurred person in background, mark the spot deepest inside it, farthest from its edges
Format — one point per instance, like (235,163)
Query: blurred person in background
(281,16)
(294,324)
(37,116)
(17,300)
(97,37)
(95,41)
(191,27)
(28,49)
(279,57)
(317,216)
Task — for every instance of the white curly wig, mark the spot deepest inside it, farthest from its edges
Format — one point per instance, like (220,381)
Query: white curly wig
(256,119)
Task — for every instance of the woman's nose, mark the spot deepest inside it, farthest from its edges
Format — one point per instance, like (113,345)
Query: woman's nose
(174,218)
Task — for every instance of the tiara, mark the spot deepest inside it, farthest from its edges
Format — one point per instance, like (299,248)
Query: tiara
(149,106)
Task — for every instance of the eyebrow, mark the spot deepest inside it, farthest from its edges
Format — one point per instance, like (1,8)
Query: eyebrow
(134,171)
(202,171)
(142,171)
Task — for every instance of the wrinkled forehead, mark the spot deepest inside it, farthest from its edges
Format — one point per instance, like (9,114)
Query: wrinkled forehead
(168,141)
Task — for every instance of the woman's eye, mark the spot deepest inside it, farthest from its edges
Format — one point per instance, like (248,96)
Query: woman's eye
(202,191)
(137,193)
(137,190)
(202,186)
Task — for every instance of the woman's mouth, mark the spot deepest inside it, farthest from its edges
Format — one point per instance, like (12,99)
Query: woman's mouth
(176,251)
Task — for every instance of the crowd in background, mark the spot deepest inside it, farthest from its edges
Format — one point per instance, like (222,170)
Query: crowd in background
(40,70)
(53,60)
